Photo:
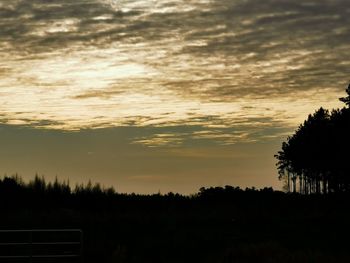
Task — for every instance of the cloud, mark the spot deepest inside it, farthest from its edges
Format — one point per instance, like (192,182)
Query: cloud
(95,63)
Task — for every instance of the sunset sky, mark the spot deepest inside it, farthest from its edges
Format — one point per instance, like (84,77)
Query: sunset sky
(164,95)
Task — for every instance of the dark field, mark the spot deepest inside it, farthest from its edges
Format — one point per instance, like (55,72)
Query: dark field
(215,225)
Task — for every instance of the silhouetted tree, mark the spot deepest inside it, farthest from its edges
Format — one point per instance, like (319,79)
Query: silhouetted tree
(346,100)
(312,160)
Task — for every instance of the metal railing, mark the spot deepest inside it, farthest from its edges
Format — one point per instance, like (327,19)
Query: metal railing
(41,245)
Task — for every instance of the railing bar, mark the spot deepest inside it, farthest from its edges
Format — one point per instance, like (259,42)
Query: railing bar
(56,243)
(14,244)
(40,243)
(56,256)
(14,256)
(41,230)
(42,256)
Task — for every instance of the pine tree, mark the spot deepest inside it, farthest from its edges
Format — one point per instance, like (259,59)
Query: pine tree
(346,100)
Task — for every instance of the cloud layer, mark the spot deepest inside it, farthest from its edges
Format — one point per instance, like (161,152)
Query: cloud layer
(241,70)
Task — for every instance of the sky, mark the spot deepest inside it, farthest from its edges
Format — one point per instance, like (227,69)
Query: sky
(169,95)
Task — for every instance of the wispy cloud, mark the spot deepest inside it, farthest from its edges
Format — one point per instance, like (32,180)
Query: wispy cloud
(213,64)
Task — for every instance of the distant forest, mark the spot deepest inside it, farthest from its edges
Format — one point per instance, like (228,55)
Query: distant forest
(16,188)
(216,225)
(315,159)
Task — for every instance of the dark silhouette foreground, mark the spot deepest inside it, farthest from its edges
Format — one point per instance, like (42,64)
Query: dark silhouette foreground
(218,224)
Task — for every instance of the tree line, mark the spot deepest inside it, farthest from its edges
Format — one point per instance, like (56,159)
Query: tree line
(38,191)
(315,159)
(217,225)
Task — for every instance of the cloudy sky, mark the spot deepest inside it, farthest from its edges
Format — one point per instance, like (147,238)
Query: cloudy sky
(164,95)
